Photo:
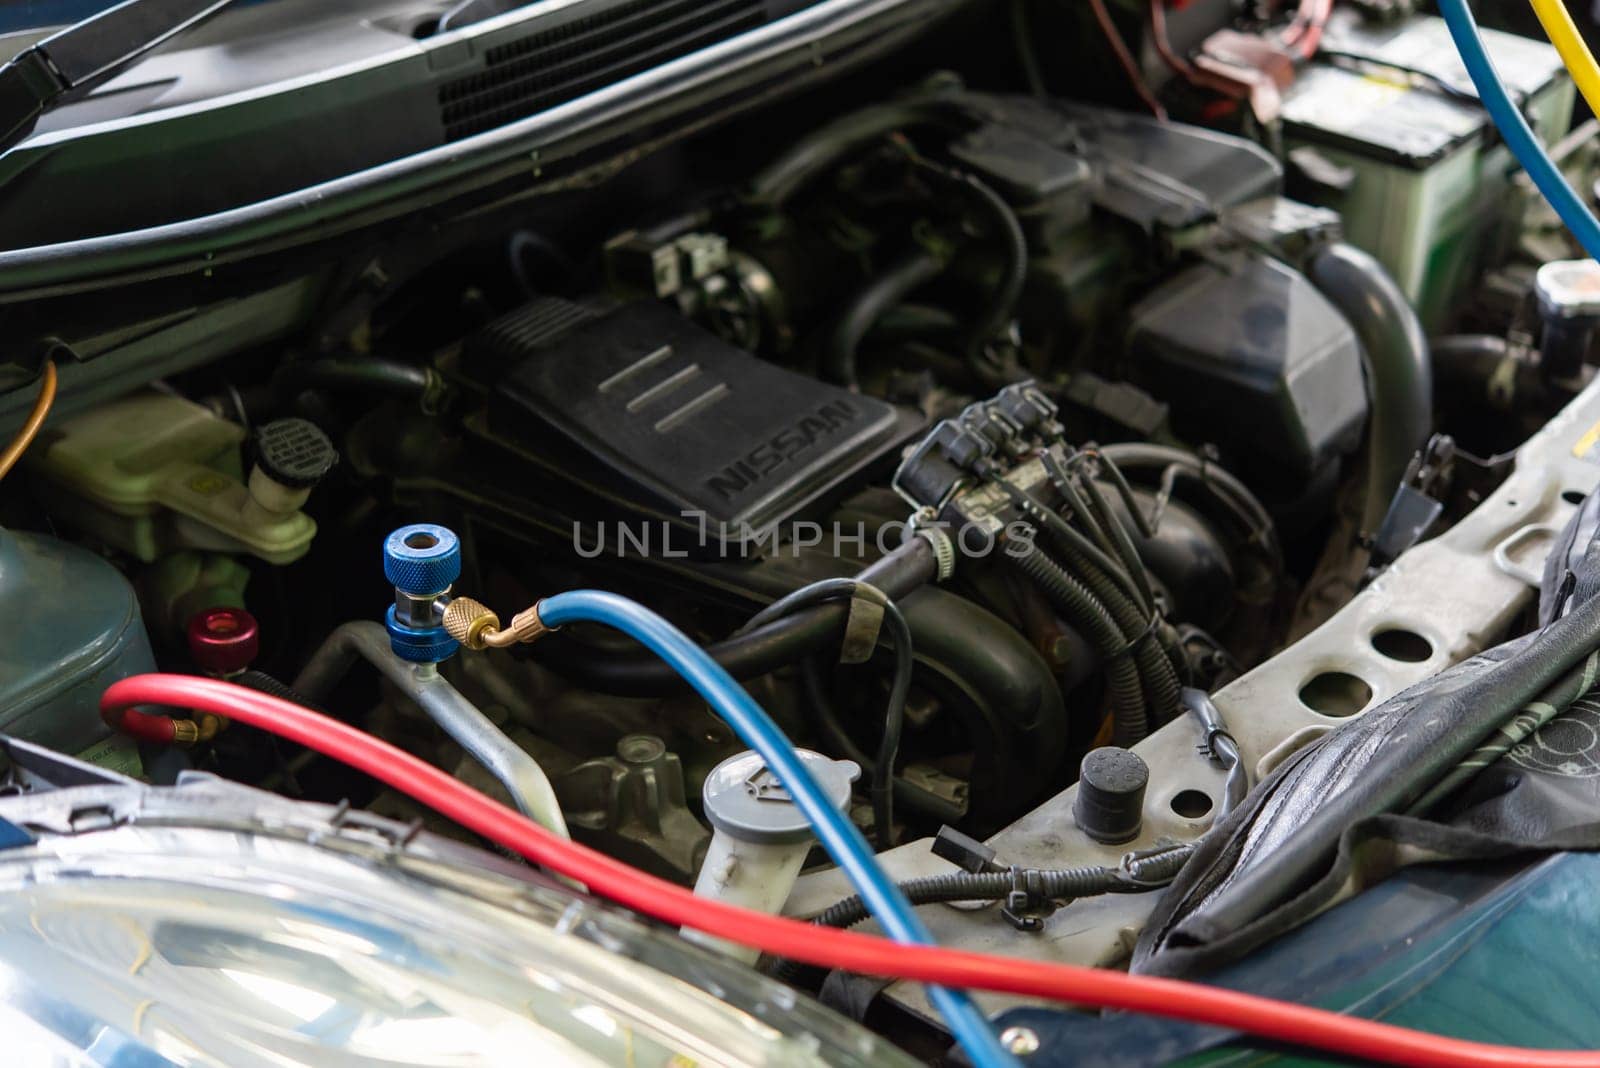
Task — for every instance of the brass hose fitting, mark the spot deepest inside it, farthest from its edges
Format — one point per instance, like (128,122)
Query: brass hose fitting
(470,622)
(475,625)
(192,732)
(526,626)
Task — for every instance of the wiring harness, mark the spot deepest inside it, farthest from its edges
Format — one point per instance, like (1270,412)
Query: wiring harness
(1075,540)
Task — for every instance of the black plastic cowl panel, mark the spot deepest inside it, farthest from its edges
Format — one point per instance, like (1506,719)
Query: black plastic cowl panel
(559,64)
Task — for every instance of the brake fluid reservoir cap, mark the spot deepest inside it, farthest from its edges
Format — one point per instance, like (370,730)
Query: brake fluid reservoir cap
(422,558)
(223,641)
(294,453)
(744,799)
(1110,804)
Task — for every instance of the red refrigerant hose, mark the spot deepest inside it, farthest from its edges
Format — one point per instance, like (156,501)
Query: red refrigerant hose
(141,725)
(1088,987)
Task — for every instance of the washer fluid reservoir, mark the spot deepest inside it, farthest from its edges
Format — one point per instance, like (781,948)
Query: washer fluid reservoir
(69,627)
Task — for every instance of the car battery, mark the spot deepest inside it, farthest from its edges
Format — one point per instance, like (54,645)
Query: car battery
(1386,128)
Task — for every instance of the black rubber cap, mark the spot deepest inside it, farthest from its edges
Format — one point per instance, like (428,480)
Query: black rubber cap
(1110,804)
(294,453)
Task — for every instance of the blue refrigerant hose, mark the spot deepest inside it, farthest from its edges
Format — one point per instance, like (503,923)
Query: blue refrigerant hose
(838,835)
(1514,128)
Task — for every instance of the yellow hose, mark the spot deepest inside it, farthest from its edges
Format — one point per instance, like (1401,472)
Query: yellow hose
(41,408)
(1563,33)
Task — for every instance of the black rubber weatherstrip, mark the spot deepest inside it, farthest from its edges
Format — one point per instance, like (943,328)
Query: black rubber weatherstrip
(1439,736)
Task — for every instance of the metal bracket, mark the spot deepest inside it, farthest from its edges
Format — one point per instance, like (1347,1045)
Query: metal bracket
(1504,560)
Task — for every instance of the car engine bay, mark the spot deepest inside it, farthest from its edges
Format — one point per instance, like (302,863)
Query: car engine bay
(1052,473)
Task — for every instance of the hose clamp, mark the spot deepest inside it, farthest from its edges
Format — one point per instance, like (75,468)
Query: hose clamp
(1026,904)
(924,524)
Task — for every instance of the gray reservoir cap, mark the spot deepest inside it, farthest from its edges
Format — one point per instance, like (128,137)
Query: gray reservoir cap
(746,800)
(1568,289)
(1110,804)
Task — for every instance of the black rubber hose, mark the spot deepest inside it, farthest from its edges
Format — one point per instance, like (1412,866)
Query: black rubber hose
(1123,542)
(1002,698)
(825,148)
(1221,484)
(1177,661)
(269,684)
(833,731)
(1063,533)
(1119,481)
(1143,634)
(1115,590)
(906,275)
(1154,646)
(1468,361)
(777,644)
(1077,507)
(1095,513)
(1013,273)
(364,374)
(1085,612)
(1399,374)
(912,322)
(882,770)
(1467,356)
(999,689)
(1013,247)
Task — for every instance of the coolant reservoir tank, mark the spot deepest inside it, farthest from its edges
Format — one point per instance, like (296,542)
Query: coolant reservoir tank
(69,627)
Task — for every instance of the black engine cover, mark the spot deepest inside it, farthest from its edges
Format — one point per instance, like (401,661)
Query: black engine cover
(649,406)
